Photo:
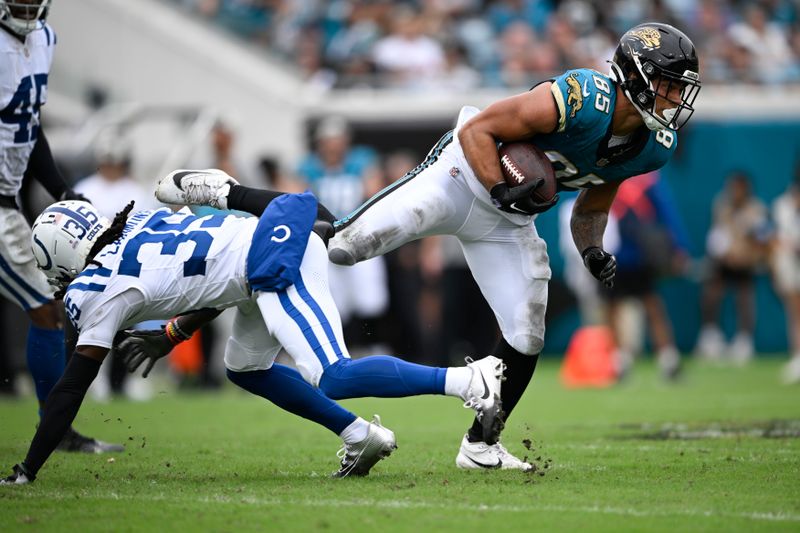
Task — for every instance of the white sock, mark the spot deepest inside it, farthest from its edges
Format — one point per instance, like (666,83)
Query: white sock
(456,381)
(355,432)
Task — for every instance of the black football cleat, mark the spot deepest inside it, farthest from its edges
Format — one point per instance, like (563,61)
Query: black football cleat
(75,442)
(20,476)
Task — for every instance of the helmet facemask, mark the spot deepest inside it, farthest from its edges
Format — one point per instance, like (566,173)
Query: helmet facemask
(23,16)
(653,93)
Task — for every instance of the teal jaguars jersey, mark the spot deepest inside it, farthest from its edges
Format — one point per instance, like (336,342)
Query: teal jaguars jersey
(579,147)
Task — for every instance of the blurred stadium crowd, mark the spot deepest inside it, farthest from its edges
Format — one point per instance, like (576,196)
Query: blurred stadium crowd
(461,44)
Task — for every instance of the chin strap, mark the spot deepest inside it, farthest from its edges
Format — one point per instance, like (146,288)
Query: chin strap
(649,120)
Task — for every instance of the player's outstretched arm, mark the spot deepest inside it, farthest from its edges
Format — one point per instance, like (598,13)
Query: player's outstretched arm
(588,223)
(512,119)
(60,409)
(139,346)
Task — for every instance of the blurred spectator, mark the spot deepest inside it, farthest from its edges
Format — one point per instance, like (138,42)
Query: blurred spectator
(221,152)
(222,139)
(407,55)
(534,13)
(522,56)
(110,189)
(786,268)
(343,176)
(652,242)
(766,42)
(247,18)
(583,285)
(735,247)
(457,75)
(339,43)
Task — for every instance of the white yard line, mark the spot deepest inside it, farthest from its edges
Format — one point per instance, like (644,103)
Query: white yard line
(412,504)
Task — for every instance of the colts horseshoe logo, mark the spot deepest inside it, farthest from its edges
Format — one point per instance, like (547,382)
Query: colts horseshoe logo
(282,228)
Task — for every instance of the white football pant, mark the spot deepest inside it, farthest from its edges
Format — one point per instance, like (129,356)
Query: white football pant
(442,197)
(303,320)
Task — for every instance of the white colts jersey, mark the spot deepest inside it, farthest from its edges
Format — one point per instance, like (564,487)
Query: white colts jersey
(23,90)
(166,263)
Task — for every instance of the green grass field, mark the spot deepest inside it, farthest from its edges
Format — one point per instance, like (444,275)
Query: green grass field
(719,451)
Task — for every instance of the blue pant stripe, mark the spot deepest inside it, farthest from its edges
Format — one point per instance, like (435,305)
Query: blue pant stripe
(323,320)
(22,302)
(305,327)
(22,283)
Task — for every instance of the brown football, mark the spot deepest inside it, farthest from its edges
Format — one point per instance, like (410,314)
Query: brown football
(522,162)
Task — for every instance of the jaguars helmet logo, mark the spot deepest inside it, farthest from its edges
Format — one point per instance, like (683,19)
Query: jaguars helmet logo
(649,37)
(574,95)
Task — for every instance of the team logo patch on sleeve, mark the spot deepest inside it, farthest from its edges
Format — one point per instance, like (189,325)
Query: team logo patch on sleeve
(574,94)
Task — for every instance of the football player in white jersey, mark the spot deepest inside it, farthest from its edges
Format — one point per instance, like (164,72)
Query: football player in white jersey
(27,43)
(274,270)
(596,129)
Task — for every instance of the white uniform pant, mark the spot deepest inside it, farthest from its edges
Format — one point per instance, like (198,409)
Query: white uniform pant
(505,254)
(20,279)
(303,320)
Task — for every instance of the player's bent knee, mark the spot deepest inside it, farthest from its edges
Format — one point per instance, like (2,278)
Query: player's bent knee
(342,257)
(527,344)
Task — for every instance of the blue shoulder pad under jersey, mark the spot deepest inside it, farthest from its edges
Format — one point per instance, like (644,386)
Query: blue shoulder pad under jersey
(579,147)
(279,242)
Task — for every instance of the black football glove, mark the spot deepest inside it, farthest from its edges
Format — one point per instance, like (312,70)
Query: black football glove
(70,194)
(141,345)
(519,199)
(601,264)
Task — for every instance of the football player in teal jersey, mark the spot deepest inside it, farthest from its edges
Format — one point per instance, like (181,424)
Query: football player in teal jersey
(596,129)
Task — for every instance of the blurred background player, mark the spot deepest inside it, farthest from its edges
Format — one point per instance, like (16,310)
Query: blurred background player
(592,307)
(786,268)
(652,242)
(28,43)
(736,248)
(342,176)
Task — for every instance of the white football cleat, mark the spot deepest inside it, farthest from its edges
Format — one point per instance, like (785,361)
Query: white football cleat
(483,394)
(357,459)
(479,455)
(196,187)
(790,374)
